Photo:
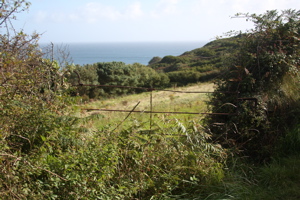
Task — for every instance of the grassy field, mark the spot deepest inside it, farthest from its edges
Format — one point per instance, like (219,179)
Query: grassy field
(162,101)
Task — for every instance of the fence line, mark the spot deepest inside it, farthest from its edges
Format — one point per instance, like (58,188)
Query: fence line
(151,100)
(159,112)
(151,89)
(79,84)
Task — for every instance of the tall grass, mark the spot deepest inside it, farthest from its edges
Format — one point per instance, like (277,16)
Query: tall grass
(174,159)
(167,158)
(102,155)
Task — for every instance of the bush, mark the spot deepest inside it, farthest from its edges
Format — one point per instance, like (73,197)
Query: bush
(184,77)
(113,75)
(174,59)
(154,60)
(259,100)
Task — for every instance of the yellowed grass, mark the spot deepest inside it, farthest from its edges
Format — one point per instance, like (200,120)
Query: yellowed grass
(160,99)
(163,101)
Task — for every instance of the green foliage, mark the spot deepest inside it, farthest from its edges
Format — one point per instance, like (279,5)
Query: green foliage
(289,144)
(210,60)
(184,77)
(28,88)
(190,76)
(115,74)
(173,160)
(267,58)
(46,152)
(174,59)
(31,99)
(204,52)
(278,179)
(148,77)
(205,68)
(154,60)
(87,75)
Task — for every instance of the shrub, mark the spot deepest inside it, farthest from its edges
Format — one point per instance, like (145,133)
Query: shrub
(258,101)
(154,60)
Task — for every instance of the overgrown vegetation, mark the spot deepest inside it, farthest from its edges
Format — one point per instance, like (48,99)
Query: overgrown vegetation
(51,149)
(199,65)
(263,85)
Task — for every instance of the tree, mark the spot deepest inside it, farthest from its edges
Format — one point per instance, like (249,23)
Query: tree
(86,74)
(150,78)
(8,9)
(117,74)
(260,86)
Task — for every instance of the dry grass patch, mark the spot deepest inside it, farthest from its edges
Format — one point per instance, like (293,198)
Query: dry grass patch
(167,101)
(160,99)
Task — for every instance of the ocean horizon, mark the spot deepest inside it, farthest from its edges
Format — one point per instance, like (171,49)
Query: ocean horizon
(127,52)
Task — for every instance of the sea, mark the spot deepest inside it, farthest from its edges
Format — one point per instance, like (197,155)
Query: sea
(127,52)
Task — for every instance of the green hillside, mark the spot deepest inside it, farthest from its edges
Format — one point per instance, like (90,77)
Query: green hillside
(198,65)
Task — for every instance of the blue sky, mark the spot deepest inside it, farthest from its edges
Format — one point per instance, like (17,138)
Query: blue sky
(65,21)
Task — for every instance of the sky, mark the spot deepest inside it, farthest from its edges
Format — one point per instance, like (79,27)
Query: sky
(67,21)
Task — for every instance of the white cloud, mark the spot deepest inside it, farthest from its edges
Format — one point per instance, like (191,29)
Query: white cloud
(92,12)
(165,7)
(169,6)
(59,17)
(251,6)
(134,11)
(73,17)
(220,7)
(149,19)
(41,16)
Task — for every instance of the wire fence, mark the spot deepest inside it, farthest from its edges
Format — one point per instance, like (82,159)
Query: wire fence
(151,100)
(150,90)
